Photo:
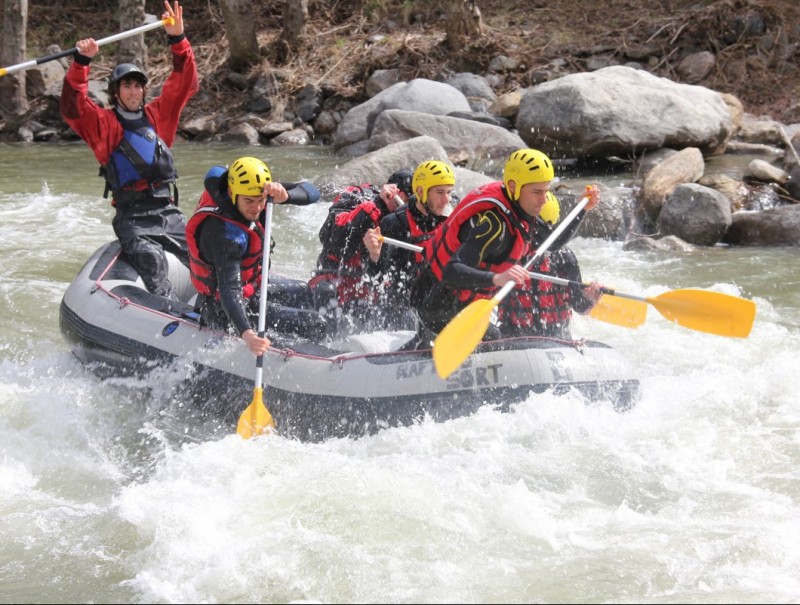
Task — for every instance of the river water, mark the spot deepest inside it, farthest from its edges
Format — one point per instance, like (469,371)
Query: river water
(111,492)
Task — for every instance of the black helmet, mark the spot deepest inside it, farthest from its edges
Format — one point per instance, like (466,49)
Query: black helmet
(402,178)
(127,70)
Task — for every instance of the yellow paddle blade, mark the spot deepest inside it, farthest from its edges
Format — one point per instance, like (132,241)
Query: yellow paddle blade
(705,311)
(459,338)
(256,419)
(620,311)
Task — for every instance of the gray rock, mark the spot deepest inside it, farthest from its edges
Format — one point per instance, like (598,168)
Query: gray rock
(775,227)
(696,214)
(610,112)
(476,141)
(696,66)
(378,165)
(296,136)
(380,80)
(686,166)
(472,85)
(243,134)
(760,170)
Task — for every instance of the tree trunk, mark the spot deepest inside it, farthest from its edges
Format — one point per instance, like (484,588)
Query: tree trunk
(240,29)
(464,22)
(295,15)
(12,87)
(133,49)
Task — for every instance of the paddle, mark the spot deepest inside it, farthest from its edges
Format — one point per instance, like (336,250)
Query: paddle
(615,308)
(256,419)
(619,311)
(459,338)
(711,312)
(400,243)
(74,51)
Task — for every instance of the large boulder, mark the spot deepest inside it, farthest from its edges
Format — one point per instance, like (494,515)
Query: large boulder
(618,110)
(353,127)
(377,166)
(423,96)
(473,141)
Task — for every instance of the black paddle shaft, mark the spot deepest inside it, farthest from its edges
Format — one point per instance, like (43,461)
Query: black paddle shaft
(59,55)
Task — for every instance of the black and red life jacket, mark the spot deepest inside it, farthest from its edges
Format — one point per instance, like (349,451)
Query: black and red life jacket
(202,273)
(347,258)
(541,310)
(416,235)
(445,242)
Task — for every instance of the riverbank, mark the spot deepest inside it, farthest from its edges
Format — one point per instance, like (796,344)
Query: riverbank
(749,48)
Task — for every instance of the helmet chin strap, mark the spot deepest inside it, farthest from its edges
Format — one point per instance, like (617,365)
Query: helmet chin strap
(513,195)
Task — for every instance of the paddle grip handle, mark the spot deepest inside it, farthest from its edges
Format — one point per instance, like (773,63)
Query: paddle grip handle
(556,280)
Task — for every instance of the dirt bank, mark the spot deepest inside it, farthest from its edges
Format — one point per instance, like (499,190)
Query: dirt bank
(754,42)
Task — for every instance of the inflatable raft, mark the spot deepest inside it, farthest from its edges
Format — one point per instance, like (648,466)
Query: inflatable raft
(347,388)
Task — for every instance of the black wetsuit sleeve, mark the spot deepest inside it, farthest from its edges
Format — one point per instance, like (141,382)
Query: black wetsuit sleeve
(301,194)
(224,252)
(484,238)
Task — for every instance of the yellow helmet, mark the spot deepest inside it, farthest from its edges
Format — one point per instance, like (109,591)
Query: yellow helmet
(246,176)
(551,209)
(527,166)
(430,174)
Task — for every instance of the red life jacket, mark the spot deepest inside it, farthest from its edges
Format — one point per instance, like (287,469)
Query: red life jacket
(418,236)
(445,242)
(539,310)
(203,277)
